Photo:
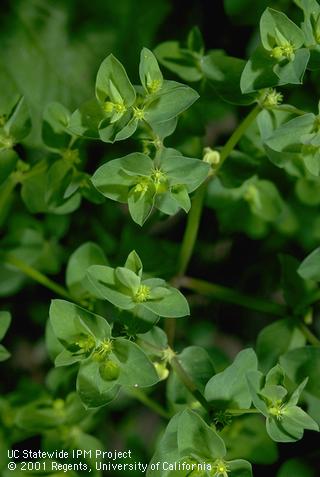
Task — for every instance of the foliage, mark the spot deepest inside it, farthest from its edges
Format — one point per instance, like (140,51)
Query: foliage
(101,181)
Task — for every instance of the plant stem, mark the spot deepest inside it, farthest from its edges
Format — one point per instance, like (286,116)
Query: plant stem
(191,230)
(311,338)
(194,215)
(189,384)
(239,412)
(292,110)
(142,397)
(228,295)
(36,275)
(237,135)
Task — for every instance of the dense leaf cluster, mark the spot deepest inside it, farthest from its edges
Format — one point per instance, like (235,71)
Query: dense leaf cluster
(110,335)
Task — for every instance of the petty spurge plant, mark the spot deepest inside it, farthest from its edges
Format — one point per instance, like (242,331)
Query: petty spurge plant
(160,259)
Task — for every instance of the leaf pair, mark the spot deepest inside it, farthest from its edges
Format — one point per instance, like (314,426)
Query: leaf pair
(281,59)
(119,107)
(295,144)
(251,207)
(196,448)
(126,289)
(285,421)
(143,183)
(106,363)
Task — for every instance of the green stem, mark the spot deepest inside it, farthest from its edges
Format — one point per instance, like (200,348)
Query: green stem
(238,133)
(147,401)
(194,215)
(239,412)
(191,230)
(189,384)
(311,338)
(228,295)
(36,275)
(291,110)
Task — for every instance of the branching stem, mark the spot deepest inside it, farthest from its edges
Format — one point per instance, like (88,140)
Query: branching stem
(39,277)
(229,295)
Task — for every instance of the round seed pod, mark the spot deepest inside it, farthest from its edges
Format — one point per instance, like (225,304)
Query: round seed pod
(109,370)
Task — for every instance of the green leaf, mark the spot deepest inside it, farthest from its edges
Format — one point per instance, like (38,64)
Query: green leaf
(18,126)
(87,442)
(262,71)
(112,83)
(263,199)
(5,320)
(119,130)
(43,414)
(258,72)
(136,368)
(293,71)
(308,191)
(58,179)
(56,122)
(79,261)
(291,426)
(179,60)
(230,386)
(247,438)
(269,350)
(240,468)
(4,354)
(69,321)
(183,170)
(303,362)
(134,263)
(198,365)
(115,178)
(127,278)
(166,451)
(195,40)
(93,390)
(309,269)
(255,380)
(169,102)
(85,121)
(150,75)
(196,437)
(285,143)
(172,305)
(103,285)
(297,291)
(224,74)
(8,161)
(140,205)
(180,194)
(275,26)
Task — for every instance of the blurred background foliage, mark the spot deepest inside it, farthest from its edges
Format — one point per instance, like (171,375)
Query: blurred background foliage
(50,50)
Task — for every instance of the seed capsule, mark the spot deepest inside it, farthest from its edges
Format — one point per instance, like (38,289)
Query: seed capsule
(109,371)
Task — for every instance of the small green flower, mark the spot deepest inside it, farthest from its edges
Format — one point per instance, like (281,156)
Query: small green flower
(142,294)
(271,98)
(284,52)
(85,343)
(220,468)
